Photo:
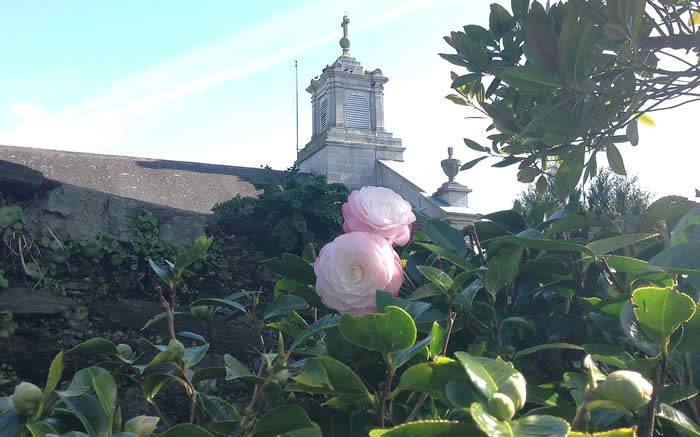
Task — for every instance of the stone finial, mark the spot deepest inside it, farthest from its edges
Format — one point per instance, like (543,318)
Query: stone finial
(450,165)
(345,40)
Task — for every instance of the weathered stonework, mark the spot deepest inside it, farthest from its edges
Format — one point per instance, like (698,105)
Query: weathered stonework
(350,144)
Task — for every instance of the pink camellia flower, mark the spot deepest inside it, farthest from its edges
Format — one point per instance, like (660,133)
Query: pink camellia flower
(380,211)
(350,269)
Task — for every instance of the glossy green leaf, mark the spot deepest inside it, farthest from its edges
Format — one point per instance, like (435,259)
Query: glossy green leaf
(669,209)
(528,426)
(391,331)
(330,376)
(611,244)
(486,374)
(400,358)
(502,268)
(691,334)
(528,78)
(423,428)
(611,355)
(217,408)
(660,311)
(678,420)
(193,355)
(94,346)
(620,432)
(687,230)
(449,255)
(324,323)
(208,373)
(436,276)
(431,378)
(54,376)
(674,393)
(288,420)
(142,426)
(681,257)
(11,423)
(284,304)
(227,304)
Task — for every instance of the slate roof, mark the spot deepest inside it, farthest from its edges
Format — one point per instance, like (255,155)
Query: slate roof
(190,186)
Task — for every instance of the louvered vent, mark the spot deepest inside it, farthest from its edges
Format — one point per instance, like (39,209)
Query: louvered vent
(324,114)
(356,112)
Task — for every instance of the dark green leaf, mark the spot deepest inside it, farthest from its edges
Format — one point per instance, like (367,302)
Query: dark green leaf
(475,146)
(617,164)
(569,173)
(632,132)
(472,163)
(185,430)
(545,346)
(285,304)
(528,78)
(502,268)
(94,346)
(288,420)
(292,267)
(607,245)
(674,393)
(326,322)
(444,235)
(228,304)
(541,43)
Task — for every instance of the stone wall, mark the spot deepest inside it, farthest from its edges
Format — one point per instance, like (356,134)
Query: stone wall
(77,213)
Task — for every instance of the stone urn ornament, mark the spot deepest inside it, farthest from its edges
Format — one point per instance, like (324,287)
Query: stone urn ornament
(451,165)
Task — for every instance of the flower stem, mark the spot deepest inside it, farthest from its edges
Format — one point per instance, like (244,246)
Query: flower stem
(387,387)
(658,386)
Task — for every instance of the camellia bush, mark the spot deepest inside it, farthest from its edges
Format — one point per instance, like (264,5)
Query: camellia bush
(403,329)
(577,325)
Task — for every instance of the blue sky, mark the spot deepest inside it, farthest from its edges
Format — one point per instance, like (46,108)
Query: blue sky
(213,82)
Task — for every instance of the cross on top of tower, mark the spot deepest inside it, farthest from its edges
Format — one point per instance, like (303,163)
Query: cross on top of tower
(345,40)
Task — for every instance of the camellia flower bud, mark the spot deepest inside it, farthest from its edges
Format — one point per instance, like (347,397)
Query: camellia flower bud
(201,312)
(177,348)
(501,407)
(516,389)
(627,387)
(124,351)
(27,398)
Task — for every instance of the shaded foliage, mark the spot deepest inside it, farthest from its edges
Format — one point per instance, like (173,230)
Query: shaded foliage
(292,210)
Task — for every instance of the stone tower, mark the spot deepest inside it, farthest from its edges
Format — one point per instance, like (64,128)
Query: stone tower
(348,135)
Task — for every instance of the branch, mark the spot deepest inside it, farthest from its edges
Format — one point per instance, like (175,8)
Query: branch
(681,42)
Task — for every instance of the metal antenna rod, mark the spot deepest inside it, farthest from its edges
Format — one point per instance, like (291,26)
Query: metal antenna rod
(296,91)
